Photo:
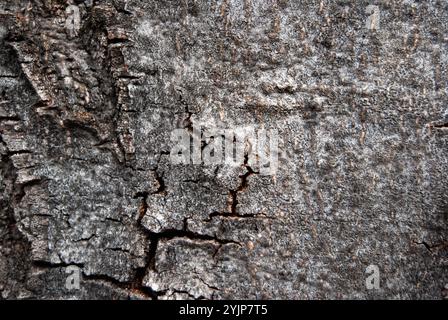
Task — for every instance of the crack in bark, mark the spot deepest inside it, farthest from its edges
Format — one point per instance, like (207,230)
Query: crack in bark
(49,265)
(162,187)
(10,118)
(233,195)
(430,247)
(20,188)
(133,286)
(441,126)
(155,237)
(13,238)
(175,233)
(143,205)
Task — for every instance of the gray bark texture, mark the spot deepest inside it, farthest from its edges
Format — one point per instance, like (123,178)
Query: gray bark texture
(90,92)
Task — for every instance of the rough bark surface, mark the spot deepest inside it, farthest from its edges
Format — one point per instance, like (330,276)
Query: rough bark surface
(86,178)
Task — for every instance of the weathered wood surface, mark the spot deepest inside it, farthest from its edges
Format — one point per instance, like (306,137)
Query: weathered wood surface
(358,96)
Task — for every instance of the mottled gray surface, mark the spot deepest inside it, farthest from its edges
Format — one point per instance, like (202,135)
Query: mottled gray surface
(86,178)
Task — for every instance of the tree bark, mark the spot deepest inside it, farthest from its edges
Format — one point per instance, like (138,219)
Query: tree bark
(91,92)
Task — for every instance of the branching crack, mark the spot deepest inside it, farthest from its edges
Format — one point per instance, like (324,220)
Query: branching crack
(155,237)
(233,195)
(243,186)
